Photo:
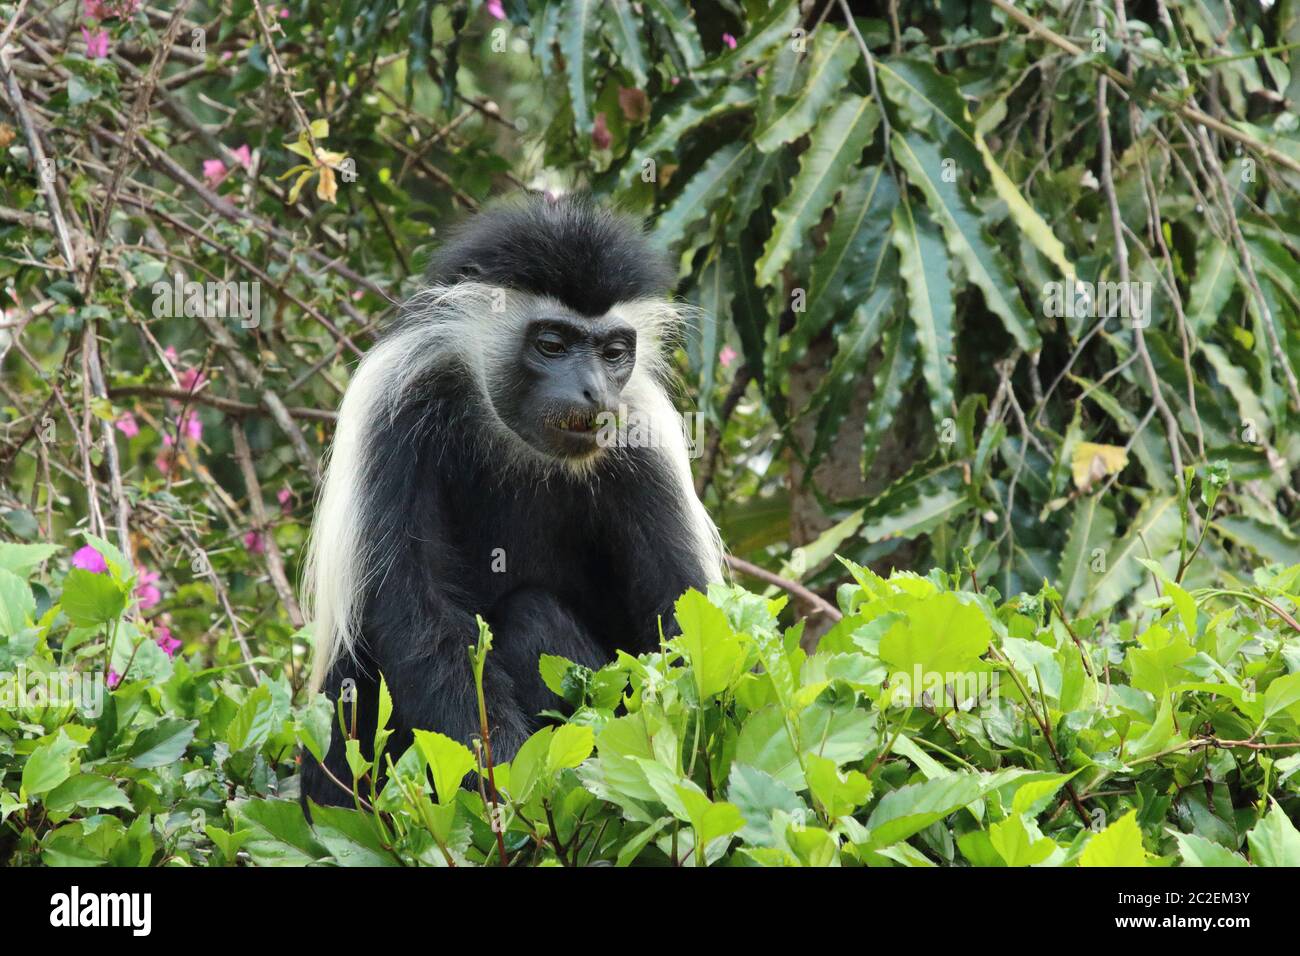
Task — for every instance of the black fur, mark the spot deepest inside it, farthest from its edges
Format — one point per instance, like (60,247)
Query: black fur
(591,563)
(568,247)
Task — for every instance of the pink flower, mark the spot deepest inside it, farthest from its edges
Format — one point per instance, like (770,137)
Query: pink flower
(728,39)
(191,425)
(727,356)
(214,171)
(496,10)
(126,424)
(88,559)
(96,43)
(244,156)
(191,379)
(146,591)
(170,353)
(113,678)
(357,294)
(284,496)
(674,80)
(253,542)
(96,9)
(163,638)
(284,13)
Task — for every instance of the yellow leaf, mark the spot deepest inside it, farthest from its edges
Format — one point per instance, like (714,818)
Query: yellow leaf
(1091,462)
(297,186)
(327,188)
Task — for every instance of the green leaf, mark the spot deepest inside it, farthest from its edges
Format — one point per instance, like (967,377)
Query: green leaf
(449,762)
(690,115)
(938,634)
(1120,844)
(834,54)
(854,260)
(570,746)
(91,599)
(89,792)
(675,17)
(1216,275)
(1198,851)
(1274,841)
(923,264)
(1091,539)
(578,25)
(983,261)
(17,606)
(837,145)
(163,743)
(701,192)
(625,32)
(253,722)
(22,558)
(712,650)
(50,763)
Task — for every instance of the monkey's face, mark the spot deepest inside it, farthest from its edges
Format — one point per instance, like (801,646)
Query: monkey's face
(567,379)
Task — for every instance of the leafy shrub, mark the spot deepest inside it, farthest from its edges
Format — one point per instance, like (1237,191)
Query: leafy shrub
(932,725)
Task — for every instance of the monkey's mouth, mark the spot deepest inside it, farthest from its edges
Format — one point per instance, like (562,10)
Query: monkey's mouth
(574,423)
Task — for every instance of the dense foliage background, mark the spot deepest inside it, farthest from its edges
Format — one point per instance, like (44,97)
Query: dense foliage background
(1008,291)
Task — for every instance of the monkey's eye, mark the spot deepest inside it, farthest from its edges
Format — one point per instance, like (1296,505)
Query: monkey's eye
(550,344)
(615,352)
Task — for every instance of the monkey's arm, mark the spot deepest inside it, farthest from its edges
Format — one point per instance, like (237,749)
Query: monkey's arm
(661,564)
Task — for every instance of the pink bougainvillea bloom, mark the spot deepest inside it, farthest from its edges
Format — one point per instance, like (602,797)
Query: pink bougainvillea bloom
(728,39)
(284,496)
(126,424)
(170,353)
(113,678)
(284,13)
(88,559)
(214,171)
(191,426)
(357,294)
(191,378)
(164,462)
(97,9)
(253,542)
(727,356)
(496,10)
(163,638)
(244,156)
(96,43)
(146,590)
(600,136)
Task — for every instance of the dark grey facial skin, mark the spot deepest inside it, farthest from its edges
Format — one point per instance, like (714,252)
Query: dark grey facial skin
(567,372)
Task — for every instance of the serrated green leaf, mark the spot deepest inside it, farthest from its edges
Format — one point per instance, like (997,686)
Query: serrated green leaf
(836,146)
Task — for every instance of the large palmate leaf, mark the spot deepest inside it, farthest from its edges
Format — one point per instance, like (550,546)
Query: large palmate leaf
(923,264)
(836,146)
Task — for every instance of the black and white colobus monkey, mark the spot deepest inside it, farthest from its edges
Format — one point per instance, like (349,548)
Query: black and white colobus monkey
(467,476)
